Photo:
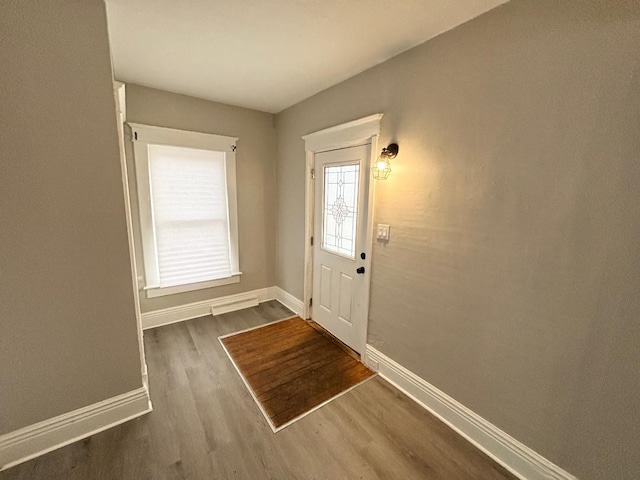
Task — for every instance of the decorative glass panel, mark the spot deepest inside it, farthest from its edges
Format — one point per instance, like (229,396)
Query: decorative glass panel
(340,209)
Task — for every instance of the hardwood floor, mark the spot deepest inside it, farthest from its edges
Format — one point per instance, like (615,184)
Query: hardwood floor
(293,367)
(205,425)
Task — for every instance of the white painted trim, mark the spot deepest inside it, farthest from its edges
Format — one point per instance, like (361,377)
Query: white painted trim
(153,292)
(292,303)
(309,215)
(121,103)
(215,306)
(142,136)
(43,437)
(504,449)
(181,138)
(145,213)
(232,211)
(369,239)
(344,135)
(120,98)
(357,132)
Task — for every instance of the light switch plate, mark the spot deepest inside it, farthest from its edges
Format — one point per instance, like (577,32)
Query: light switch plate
(383,232)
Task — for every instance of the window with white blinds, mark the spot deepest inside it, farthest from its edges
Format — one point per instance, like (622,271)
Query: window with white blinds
(190,215)
(186,188)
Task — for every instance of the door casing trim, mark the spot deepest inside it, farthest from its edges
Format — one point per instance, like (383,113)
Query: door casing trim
(358,132)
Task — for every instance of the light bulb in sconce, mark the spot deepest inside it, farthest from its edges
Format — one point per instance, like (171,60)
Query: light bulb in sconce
(382,169)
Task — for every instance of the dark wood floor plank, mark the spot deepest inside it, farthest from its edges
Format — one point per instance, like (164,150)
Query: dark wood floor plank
(206,425)
(299,365)
(293,367)
(285,333)
(289,406)
(258,363)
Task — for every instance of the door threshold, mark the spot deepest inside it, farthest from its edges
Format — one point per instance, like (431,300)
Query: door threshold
(346,348)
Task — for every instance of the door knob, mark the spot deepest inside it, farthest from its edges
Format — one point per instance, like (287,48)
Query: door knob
(360,270)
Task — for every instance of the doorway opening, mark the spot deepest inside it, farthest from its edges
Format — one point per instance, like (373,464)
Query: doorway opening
(339,228)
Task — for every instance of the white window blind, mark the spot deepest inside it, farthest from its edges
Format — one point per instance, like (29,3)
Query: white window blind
(188,191)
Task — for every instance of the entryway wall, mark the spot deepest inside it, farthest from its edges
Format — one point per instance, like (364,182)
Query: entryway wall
(510,278)
(69,353)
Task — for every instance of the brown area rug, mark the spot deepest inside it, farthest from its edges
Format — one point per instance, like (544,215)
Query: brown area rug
(292,368)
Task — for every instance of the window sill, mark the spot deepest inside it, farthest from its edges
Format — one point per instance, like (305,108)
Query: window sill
(153,292)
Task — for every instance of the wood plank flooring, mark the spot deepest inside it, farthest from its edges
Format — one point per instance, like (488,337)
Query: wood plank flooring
(292,367)
(205,425)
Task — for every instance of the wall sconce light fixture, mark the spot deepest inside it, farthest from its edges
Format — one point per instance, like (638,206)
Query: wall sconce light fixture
(382,168)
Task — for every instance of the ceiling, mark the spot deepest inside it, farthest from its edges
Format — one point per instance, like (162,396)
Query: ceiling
(268,54)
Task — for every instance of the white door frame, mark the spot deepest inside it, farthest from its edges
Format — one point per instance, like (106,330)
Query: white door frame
(357,132)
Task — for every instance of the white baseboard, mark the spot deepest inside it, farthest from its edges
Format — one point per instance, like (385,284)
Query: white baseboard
(504,449)
(215,306)
(289,301)
(35,440)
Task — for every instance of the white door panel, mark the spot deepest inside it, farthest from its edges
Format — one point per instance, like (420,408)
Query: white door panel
(325,287)
(341,190)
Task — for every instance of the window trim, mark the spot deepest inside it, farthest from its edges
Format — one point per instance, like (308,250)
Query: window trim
(144,135)
(153,292)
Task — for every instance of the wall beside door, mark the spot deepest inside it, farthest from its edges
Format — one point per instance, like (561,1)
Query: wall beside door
(255,182)
(510,280)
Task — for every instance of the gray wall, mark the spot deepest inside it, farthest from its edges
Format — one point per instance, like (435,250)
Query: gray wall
(511,278)
(255,174)
(67,317)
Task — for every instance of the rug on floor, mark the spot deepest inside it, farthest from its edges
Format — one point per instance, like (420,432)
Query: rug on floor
(292,368)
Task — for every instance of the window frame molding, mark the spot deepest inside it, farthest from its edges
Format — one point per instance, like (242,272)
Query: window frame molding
(144,135)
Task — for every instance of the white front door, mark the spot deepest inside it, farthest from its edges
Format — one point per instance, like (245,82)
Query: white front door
(339,250)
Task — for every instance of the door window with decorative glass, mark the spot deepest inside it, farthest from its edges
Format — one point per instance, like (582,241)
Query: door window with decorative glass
(340,209)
